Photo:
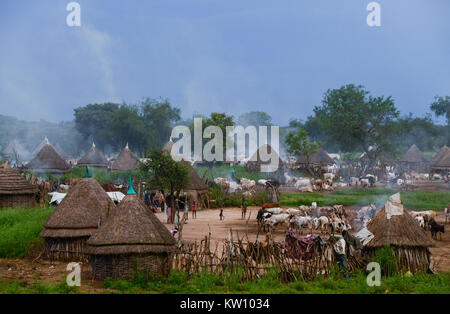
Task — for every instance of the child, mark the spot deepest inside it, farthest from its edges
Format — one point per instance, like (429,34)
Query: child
(221,216)
(194,210)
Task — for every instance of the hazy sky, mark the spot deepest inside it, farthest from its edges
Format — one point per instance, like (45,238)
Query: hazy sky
(230,56)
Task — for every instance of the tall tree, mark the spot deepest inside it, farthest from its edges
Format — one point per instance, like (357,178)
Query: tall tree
(441,107)
(356,120)
(255,118)
(299,145)
(165,174)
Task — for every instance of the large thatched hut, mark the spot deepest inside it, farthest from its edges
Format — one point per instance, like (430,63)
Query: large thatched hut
(258,164)
(132,239)
(414,160)
(61,151)
(85,207)
(93,158)
(47,160)
(393,226)
(441,162)
(15,190)
(125,161)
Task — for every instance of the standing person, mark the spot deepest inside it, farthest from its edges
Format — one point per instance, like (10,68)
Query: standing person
(146,199)
(221,216)
(244,208)
(194,210)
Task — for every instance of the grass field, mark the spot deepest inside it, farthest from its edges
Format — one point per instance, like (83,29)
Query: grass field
(232,283)
(19,230)
(378,196)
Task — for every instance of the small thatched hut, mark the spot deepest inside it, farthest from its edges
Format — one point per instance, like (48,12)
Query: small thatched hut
(93,158)
(48,160)
(14,189)
(125,161)
(132,239)
(441,163)
(415,160)
(256,164)
(85,207)
(15,149)
(168,146)
(319,158)
(196,187)
(393,226)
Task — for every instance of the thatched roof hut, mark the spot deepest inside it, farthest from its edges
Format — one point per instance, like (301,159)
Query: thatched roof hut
(132,239)
(255,164)
(13,148)
(48,160)
(93,158)
(61,151)
(415,160)
(14,189)
(440,153)
(393,226)
(319,158)
(442,163)
(85,207)
(40,146)
(168,146)
(126,160)
(195,182)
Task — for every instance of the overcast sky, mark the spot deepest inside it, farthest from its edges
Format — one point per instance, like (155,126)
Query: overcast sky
(232,56)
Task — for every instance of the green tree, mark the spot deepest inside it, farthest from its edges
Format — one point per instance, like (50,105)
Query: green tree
(441,107)
(299,145)
(165,174)
(356,120)
(255,118)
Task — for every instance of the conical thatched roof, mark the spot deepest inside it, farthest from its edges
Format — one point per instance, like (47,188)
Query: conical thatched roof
(443,163)
(61,151)
(414,155)
(440,153)
(392,225)
(39,147)
(255,162)
(195,182)
(48,160)
(132,228)
(83,209)
(126,160)
(11,182)
(318,158)
(93,158)
(15,146)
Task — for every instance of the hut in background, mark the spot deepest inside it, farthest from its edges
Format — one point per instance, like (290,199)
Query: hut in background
(414,160)
(93,158)
(85,207)
(132,239)
(168,146)
(256,164)
(196,187)
(125,161)
(442,163)
(48,160)
(393,226)
(319,158)
(15,150)
(61,151)
(39,147)
(15,191)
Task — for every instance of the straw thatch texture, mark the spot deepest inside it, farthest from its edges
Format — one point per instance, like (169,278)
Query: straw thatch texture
(48,160)
(93,158)
(132,238)
(409,242)
(125,161)
(195,182)
(168,146)
(414,155)
(443,162)
(14,189)
(85,207)
(61,151)
(255,162)
(441,153)
(319,158)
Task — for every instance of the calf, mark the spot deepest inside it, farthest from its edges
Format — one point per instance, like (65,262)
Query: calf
(435,228)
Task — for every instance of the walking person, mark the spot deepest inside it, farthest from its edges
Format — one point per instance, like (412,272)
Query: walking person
(194,210)
(244,208)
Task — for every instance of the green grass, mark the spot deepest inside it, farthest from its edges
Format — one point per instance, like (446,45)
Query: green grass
(19,230)
(378,196)
(206,282)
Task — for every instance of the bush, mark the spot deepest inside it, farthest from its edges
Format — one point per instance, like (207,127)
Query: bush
(388,263)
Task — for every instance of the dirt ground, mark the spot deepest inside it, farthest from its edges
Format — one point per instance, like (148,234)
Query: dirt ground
(207,221)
